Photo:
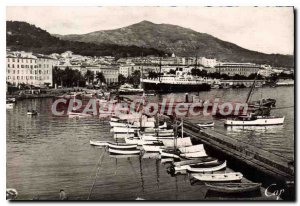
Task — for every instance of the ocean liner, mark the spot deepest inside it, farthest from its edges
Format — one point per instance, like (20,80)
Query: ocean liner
(179,82)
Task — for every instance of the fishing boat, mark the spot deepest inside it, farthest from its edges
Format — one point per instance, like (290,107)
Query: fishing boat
(194,161)
(123,152)
(233,187)
(206,124)
(185,167)
(121,145)
(99,143)
(32,112)
(224,177)
(210,167)
(253,120)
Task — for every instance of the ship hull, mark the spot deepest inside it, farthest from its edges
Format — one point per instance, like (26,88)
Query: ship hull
(168,88)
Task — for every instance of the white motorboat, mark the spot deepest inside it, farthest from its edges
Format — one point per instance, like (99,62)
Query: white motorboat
(121,124)
(160,130)
(224,177)
(207,167)
(125,152)
(251,120)
(99,143)
(121,145)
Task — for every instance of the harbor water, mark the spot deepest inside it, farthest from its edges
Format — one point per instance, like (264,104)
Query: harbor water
(46,153)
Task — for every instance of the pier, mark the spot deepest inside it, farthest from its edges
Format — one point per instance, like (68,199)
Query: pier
(262,165)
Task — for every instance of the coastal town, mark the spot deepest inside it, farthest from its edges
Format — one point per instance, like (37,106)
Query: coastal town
(29,70)
(149,111)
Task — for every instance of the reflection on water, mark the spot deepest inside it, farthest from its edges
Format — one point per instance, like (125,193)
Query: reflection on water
(47,153)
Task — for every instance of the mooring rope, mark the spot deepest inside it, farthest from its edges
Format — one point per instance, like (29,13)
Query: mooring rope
(99,164)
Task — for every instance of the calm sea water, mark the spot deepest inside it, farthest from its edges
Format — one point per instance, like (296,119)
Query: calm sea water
(47,153)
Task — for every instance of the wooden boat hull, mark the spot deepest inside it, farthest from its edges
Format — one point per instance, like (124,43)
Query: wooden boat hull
(123,152)
(99,143)
(121,146)
(212,124)
(233,187)
(194,154)
(124,130)
(185,167)
(180,142)
(152,148)
(194,161)
(207,169)
(225,177)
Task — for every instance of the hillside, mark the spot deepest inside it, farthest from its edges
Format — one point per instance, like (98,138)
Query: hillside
(181,41)
(26,37)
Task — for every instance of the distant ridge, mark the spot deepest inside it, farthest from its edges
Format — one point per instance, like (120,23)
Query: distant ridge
(26,37)
(181,41)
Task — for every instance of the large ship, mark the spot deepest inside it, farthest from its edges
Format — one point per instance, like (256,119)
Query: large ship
(179,82)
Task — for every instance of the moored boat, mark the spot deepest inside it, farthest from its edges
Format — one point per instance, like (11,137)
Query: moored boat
(185,167)
(206,124)
(125,152)
(121,145)
(32,112)
(233,187)
(194,161)
(251,120)
(99,143)
(210,167)
(224,177)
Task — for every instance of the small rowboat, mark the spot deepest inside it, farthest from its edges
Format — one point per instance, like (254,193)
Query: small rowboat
(125,152)
(224,177)
(32,112)
(185,167)
(99,143)
(207,124)
(121,145)
(233,187)
(194,161)
(210,167)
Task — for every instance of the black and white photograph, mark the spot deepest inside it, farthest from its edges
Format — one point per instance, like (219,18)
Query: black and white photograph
(153,103)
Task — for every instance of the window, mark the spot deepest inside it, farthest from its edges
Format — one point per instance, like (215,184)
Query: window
(13,60)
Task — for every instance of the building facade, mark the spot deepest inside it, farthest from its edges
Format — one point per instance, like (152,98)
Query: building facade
(25,68)
(232,69)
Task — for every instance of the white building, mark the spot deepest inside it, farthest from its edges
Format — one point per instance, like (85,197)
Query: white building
(29,69)
(207,62)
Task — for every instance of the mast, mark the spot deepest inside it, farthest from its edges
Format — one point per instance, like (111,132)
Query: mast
(251,90)
(159,70)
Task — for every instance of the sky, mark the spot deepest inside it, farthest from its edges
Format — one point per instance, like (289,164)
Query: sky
(263,29)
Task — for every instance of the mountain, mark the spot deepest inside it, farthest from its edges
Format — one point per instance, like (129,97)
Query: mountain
(181,41)
(23,36)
